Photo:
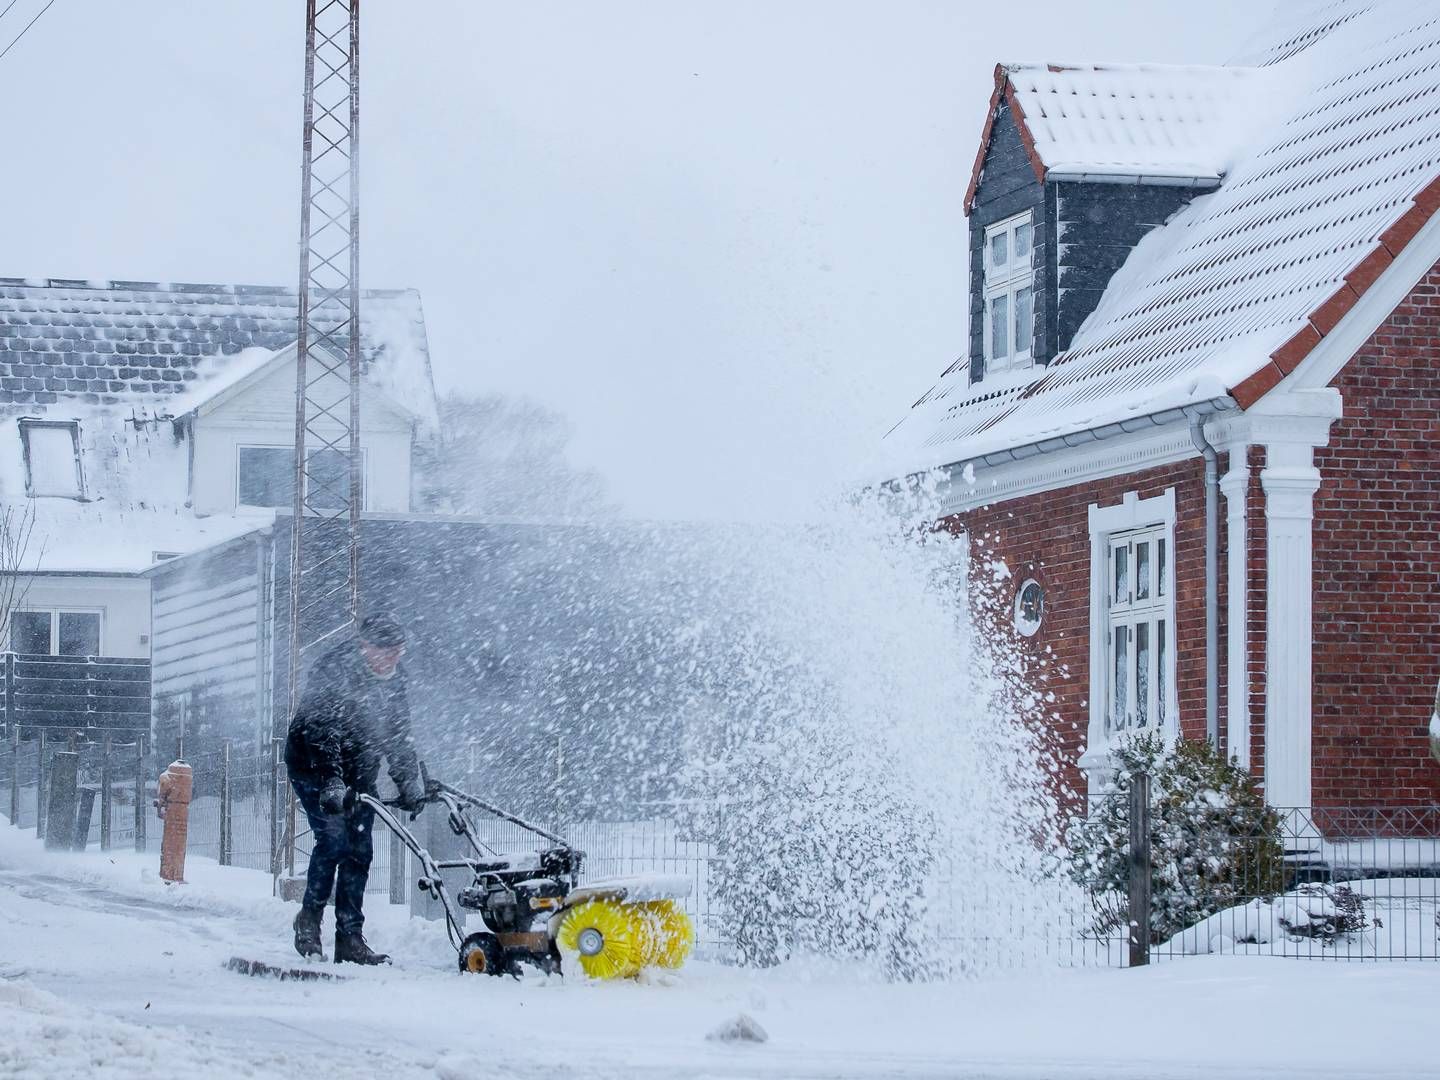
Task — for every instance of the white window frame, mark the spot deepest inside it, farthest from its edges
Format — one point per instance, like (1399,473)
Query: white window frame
(290,449)
(1008,281)
(1132,519)
(27,425)
(55,614)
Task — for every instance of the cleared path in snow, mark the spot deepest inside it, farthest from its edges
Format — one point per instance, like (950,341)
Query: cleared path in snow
(105,971)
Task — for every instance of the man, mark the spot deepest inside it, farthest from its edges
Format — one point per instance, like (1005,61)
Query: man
(353,712)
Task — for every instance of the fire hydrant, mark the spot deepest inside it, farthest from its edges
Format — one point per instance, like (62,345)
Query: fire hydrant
(172,803)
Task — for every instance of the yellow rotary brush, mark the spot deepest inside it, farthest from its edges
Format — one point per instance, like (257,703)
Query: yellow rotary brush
(672,934)
(608,937)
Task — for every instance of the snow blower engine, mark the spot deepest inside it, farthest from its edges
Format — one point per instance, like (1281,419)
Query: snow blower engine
(533,906)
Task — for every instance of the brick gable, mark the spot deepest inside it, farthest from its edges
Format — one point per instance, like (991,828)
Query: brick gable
(1377,567)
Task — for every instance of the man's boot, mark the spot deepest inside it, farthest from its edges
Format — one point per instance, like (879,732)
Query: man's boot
(307,932)
(351,949)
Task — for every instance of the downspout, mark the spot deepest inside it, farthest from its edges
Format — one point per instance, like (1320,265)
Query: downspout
(1212,580)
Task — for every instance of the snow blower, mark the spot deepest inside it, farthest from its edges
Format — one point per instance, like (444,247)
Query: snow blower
(534,908)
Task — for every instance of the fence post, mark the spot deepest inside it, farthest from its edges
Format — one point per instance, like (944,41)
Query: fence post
(105,780)
(226,807)
(60,806)
(40,800)
(1139,913)
(139,792)
(15,776)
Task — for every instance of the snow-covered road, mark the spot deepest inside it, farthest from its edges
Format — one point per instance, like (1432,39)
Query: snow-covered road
(105,971)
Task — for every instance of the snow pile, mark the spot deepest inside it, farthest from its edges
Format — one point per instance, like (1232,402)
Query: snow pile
(1332,916)
(44,1036)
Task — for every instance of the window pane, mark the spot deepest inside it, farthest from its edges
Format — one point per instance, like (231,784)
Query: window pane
(1142,570)
(999,250)
(1022,240)
(1162,678)
(1122,575)
(30,632)
(329,480)
(51,451)
(999,325)
(1160,566)
(1142,674)
(267,476)
(1024,314)
(79,633)
(1122,674)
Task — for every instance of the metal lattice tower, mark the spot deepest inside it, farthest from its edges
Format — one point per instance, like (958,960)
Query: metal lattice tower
(325,531)
(324,554)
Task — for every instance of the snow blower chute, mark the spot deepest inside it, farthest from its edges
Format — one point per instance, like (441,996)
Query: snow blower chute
(534,908)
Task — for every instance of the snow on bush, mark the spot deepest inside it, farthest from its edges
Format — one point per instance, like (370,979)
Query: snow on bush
(1213,841)
(1316,912)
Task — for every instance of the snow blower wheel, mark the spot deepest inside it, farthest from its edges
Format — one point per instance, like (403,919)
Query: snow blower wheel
(606,937)
(481,954)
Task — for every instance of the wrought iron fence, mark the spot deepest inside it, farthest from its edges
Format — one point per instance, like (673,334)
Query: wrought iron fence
(1348,883)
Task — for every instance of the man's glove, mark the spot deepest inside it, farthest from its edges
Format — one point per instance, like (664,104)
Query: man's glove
(412,795)
(332,798)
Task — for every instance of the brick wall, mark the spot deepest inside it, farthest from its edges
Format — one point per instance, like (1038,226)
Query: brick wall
(1047,537)
(1377,568)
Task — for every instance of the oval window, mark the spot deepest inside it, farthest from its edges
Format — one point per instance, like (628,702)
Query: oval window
(1029,607)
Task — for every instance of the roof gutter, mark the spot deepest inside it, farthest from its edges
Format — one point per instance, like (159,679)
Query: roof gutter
(1202,410)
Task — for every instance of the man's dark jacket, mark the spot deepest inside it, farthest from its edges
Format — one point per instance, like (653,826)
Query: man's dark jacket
(347,720)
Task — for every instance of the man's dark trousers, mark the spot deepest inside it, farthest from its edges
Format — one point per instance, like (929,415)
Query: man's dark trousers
(340,859)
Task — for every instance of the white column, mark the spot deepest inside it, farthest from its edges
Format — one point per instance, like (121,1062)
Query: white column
(1235,487)
(1291,425)
(1290,487)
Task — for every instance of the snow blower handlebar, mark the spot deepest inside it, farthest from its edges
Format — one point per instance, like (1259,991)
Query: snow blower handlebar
(470,800)
(430,879)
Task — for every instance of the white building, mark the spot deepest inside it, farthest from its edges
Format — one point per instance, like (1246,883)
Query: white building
(139,422)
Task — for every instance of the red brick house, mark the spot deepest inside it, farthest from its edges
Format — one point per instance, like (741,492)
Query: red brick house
(1199,416)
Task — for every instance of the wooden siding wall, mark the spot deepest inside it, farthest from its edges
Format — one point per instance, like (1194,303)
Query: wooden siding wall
(208,636)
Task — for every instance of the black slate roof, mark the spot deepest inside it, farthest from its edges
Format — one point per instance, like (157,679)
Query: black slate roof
(104,342)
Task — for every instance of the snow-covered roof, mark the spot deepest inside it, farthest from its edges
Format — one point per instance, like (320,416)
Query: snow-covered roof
(1239,286)
(106,342)
(1156,122)
(69,537)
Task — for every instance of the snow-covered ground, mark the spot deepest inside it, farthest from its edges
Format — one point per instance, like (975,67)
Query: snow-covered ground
(107,972)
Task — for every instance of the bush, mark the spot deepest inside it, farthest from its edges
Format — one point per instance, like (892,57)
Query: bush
(1323,912)
(1213,841)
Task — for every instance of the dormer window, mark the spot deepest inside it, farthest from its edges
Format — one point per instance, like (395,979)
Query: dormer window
(51,449)
(1009,294)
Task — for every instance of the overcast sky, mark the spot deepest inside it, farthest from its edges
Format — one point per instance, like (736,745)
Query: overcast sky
(725,238)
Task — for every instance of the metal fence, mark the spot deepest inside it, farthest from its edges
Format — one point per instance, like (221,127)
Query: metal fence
(116,787)
(1354,884)
(1347,883)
